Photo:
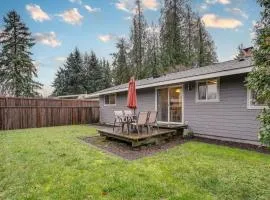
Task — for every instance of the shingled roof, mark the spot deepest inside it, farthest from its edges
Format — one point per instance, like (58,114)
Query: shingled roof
(216,70)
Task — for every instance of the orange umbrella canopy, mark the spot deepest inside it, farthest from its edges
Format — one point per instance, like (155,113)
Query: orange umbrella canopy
(132,96)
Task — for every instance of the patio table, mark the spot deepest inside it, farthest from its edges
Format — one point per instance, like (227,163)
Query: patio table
(129,120)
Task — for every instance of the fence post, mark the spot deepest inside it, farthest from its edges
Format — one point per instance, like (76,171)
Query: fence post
(91,115)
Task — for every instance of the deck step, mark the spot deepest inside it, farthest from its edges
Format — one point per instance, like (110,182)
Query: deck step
(136,139)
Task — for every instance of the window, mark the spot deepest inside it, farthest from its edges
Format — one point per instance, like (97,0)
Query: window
(253,102)
(207,90)
(110,99)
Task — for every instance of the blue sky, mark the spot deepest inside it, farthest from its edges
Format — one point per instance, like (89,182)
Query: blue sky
(61,25)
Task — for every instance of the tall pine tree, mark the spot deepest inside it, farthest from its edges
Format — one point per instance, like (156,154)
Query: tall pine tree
(75,74)
(60,83)
(138,41)
(184,40)
(82,75)
(152,61)
(121,70)
(93,73)
(70,79)
(106,73)
(172,36)
(181,42)
(190,21)
(17,71)
(206,53)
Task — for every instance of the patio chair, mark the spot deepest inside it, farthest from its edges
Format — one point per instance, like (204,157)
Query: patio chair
(130,115)
(152,120)
(141,121)
(119,119)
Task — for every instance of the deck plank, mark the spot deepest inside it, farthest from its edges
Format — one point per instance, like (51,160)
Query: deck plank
(134,138)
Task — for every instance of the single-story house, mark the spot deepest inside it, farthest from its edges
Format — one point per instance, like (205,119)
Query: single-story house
(212,100)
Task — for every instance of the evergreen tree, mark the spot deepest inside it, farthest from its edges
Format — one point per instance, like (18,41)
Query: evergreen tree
(190,37)
(60,83)
(17,71)
(93,74)
(206,53)
(106,73)
(259,78)
(172,37)
(152,62)
(184,39)
(75,74)
(70,79)
(138,40)
(121,71)
(82,75)
(107,77)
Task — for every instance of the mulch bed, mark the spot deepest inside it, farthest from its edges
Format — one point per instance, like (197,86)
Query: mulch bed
(128,152)
(125,150)
(251,147)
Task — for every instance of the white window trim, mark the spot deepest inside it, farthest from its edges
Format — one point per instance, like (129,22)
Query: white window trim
(109,104)
(183,103)
(197,100)
(250,106)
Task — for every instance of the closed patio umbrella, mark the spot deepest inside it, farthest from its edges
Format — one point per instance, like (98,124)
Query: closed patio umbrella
(132,96)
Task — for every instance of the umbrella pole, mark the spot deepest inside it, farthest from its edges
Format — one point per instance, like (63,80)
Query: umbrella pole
(134,117)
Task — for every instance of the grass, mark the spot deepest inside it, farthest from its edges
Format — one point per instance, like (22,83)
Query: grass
(52,163)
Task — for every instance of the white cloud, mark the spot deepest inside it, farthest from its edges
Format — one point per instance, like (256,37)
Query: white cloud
(60,59)
(224,2)
(37,13)
(48,39)
(76,1)
(128,18)
(72,16)
(252,30)
(214,21)
(124,5)
(128,5)
(237,11)
(90,9)
(203,7)
(106,38)
(150,4)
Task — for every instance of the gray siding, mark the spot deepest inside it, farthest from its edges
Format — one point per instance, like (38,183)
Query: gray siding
(145,99)
(227,118)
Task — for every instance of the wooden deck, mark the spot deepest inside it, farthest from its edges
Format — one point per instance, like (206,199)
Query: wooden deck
(172,126)
(137,139)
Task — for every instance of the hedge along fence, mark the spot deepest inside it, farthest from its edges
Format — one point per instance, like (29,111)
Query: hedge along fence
(18,113)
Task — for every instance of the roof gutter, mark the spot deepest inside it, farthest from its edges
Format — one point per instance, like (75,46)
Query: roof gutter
(180,80)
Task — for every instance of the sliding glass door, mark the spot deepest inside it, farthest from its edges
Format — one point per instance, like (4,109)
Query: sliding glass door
(162,104)
(169,104)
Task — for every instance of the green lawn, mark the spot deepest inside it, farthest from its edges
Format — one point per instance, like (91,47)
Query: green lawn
(52,163)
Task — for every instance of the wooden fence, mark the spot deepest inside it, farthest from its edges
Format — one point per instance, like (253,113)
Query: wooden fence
(17,113)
